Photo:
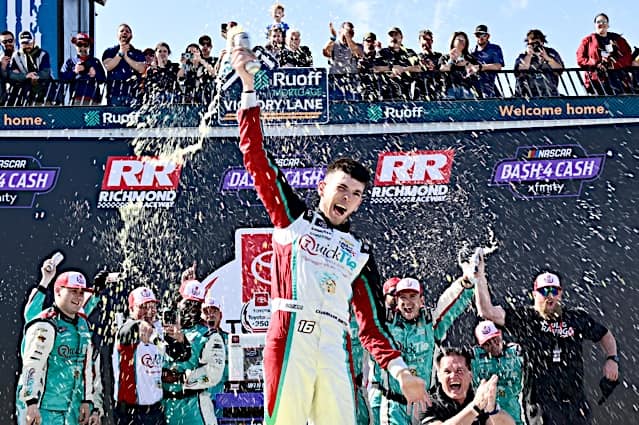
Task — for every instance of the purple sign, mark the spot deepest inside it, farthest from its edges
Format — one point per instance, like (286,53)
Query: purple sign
(22,178)
(299,178)
(556,169)
(547,171)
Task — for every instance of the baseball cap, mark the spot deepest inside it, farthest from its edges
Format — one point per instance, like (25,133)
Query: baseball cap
(141,295)
(408,284)
(547,279)
(25,36)
(485,331)
(395,29)
(73,280)
(370,36)
(481,29)
(390,285)
(210,301)
(192,290)
(81,36)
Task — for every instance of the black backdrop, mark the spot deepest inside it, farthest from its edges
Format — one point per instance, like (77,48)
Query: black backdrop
(591,239)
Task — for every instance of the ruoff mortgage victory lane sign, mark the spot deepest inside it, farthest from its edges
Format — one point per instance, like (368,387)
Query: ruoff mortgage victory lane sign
(291,95)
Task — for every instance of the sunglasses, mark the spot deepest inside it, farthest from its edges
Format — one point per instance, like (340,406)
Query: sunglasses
(481,34)
(549,290)
(205,45)
(82,44)
(601,21)
(8,41)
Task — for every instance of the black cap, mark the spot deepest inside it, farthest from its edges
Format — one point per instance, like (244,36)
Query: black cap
(370,36)
(395,29)
(25,36)
(481,29)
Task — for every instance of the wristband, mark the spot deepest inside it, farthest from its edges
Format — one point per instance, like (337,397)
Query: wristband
(121,54)
(481,66)
(248,91)
(614,358)
(333,38)
(494,412)
(481,413)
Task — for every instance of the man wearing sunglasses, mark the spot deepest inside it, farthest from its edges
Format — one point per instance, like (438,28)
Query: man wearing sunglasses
(552,336)
(7,47)
(490,58)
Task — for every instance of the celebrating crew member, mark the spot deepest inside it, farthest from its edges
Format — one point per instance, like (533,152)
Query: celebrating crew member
(56,383)
(552,337)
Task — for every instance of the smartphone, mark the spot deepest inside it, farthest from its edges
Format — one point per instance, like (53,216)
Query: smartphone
(169,317)
(224,27)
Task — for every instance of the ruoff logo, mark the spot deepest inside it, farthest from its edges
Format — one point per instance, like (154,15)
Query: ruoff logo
(145,181)
(420,176)
(92,118)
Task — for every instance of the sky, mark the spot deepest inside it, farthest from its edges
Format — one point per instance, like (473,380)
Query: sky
(180,22)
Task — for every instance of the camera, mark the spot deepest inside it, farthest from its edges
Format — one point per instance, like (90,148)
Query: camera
(224,27)
(187,56)
(537,47)
(170,316)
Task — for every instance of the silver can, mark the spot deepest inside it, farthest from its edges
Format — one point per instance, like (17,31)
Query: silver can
(241,39)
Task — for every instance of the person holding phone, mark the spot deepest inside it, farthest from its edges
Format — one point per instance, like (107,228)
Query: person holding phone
(142,346)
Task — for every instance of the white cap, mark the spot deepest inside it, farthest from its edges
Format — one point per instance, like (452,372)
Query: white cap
(192,290)
(141,296)
(547,279)
(408,284)
(485,331)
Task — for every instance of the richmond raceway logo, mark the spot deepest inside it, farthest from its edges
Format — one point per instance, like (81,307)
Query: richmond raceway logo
(344,256)
(143,181)
(548,172)
(419,176)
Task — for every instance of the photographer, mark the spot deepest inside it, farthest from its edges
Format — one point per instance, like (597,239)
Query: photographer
(541,65)
(196,76)
(84,72)
(604,54)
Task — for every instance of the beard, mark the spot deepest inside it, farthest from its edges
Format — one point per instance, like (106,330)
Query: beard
(551,313)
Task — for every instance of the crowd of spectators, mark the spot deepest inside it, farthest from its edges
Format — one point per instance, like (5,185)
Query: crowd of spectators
(357,71)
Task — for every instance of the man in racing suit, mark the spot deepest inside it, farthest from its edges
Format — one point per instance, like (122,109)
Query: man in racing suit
(56,356)
(187,400)
(319,270)
(417,331)
(492,357)
(35,305)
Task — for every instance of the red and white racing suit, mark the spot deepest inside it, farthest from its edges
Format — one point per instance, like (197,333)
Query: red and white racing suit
(319,270)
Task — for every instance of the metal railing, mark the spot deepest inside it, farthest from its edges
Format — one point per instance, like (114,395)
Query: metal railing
(372,87)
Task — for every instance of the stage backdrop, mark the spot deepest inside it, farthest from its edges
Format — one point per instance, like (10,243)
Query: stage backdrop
(561,199)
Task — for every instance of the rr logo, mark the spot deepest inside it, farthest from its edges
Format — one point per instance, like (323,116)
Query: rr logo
(140,173)
(414,168)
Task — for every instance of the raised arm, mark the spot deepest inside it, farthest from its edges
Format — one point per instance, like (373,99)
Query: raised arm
(450,305)
(279,199)
(485,307)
